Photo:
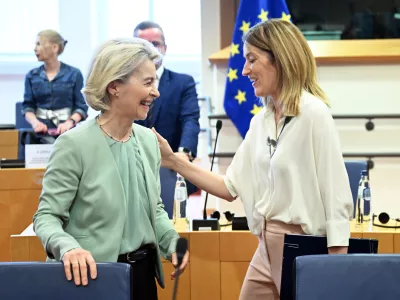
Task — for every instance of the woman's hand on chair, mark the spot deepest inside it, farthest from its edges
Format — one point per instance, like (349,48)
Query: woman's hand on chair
(78,261)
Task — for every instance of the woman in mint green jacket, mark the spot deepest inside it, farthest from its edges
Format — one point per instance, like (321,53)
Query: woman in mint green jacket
(101,191)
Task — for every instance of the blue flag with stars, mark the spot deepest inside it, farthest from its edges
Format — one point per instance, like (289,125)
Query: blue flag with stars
(240,103)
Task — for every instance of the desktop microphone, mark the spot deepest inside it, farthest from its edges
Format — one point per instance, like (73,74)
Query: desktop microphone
(181,249)
(208,224)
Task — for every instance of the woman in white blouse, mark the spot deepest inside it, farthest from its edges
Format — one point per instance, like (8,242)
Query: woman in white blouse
(289,170)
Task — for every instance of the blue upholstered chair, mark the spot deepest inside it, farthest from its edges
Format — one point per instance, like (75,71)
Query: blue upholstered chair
(354,169)
(347,277)
(40,280)
(24,129)
(20,121)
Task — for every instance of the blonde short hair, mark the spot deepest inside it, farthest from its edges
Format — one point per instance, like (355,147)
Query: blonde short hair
(116,60)
(294,61)
(55,38)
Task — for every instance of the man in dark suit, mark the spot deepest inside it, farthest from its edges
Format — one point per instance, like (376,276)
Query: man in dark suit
(175,114)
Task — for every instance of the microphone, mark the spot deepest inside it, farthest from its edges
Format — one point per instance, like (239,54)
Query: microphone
(271,142)
(181,249)
(274,143)
(209,224)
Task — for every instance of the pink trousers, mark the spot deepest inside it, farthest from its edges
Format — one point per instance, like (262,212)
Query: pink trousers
(263,278)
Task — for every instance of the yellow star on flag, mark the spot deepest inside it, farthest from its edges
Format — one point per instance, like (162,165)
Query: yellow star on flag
(232,74)
(256,109)
(234,49)
(285,17)
(245,27)
(263,16)
(241,96)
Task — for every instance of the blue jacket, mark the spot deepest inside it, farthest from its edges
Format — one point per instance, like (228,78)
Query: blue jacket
(176,112)
(63,91)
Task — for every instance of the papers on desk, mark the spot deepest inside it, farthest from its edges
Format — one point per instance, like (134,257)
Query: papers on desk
(27,232)
(37,156)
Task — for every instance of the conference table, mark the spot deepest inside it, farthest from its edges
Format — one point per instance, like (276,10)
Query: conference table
(218,259)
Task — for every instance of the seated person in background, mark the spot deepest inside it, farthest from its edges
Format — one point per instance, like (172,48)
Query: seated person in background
(101,190)
(53,102)
(175,114)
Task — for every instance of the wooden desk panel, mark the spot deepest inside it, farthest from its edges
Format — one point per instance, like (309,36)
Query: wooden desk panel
(357,235)
(36,250)
(237,246)
(21,179)
(232,276)
(20,248)
(19,198)
(183,284)
(26,248)
(396,242)
(9,144)
(16,211)
(385,241)
(205,273)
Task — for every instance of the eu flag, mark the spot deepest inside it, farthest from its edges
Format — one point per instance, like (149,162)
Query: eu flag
(240,103)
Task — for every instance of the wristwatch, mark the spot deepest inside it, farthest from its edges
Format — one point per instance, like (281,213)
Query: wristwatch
(186,151)
(73,121)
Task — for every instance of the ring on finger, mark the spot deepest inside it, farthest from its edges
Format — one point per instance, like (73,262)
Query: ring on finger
(75,263)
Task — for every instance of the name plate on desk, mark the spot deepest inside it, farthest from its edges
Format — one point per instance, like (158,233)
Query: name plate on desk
(37,156)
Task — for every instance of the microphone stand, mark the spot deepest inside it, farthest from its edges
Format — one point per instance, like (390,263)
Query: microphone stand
(212,164)
(208,224)
(174,293)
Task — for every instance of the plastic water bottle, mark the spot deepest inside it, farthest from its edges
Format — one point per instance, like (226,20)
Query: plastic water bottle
(360,199)
(363,199)
(180,199)
(367,201)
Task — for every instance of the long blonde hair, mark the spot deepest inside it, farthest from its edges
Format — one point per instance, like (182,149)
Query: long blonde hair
(294,61)
(115,60)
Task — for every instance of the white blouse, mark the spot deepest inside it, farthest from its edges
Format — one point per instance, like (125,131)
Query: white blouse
(304,183)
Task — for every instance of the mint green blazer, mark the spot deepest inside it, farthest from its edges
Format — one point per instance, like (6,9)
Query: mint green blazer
(82,204)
